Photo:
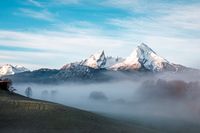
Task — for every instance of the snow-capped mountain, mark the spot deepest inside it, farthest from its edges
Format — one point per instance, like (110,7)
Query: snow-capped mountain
(99,67)
(96,61)
(144,57)
(10,70)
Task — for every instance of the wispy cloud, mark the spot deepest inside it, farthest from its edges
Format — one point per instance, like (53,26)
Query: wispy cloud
(50,3)
(63,46)
(179,20)
(120,3)
(36,3)
(185,17)
(15,48)
(37,14)
(67,1)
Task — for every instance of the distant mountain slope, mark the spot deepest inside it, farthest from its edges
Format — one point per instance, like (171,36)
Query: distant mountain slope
(19,114)
(8,69)
(43,75)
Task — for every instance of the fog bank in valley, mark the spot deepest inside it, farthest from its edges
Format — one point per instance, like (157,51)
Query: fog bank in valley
(173,98)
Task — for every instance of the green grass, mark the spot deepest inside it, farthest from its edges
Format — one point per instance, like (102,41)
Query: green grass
(19,114)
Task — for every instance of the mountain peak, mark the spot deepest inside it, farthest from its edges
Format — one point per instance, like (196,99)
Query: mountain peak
(98,54)
(97,60)
(143,57)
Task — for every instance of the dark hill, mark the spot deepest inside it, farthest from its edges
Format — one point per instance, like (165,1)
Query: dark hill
(19,114)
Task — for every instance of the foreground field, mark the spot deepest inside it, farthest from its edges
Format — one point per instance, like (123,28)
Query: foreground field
(19,114)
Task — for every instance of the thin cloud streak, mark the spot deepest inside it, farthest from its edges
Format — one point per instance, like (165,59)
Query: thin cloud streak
(67,47)
(50,3)
(14,48)
(67,1)
(42,14)
(185,17)
(35,3)
(177,19)
(56,40)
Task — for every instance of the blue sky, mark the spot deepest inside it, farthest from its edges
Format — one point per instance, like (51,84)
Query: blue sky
(51,33)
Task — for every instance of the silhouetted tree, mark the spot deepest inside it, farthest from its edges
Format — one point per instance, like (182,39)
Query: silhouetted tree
(28,92)
(98,95)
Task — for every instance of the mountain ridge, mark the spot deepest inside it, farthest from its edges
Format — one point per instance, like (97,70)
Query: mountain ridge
(99,67)
(143,57)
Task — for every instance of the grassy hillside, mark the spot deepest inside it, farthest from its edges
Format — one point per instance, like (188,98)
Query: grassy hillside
(19,114)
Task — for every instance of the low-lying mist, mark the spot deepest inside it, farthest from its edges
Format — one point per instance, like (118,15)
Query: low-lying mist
(177,99)
(93,97)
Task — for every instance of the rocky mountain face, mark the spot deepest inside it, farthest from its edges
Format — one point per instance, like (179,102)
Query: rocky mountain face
(96,61)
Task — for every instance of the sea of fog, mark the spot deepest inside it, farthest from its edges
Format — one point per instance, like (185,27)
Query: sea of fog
(98,97)
(124,99)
